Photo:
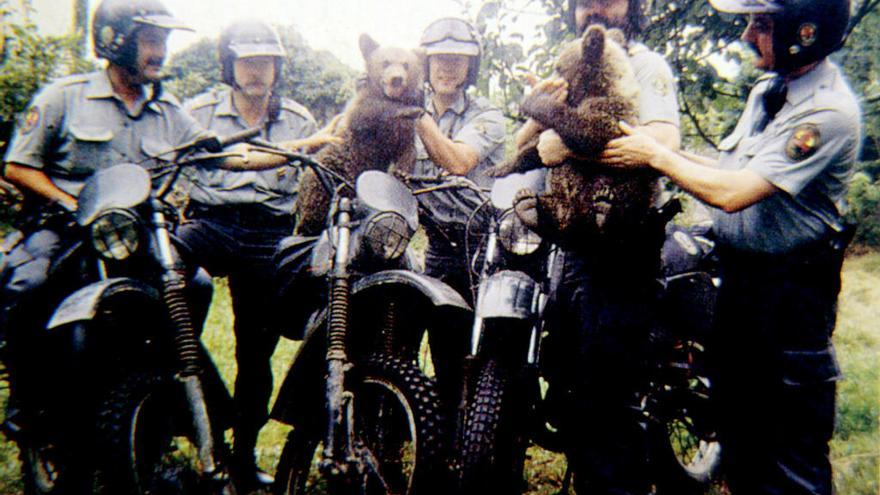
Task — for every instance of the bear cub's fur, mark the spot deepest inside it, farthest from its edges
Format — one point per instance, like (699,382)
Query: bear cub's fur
(585,200)
(377,128)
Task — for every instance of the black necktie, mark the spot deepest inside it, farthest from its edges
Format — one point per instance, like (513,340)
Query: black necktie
(773,99)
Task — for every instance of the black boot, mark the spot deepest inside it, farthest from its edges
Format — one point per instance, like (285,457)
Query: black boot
(248,476)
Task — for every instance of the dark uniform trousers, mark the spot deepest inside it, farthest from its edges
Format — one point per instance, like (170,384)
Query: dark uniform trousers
(595,360)
(239,242)
(774,369)
(446,260)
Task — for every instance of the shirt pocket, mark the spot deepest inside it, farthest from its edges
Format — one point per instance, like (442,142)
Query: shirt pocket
(90,149)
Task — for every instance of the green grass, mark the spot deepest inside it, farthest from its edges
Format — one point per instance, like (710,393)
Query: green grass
(855,448)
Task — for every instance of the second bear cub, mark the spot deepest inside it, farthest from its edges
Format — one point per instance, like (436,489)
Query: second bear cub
(584,199)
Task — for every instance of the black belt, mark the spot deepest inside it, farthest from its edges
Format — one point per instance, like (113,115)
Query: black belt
(251,215)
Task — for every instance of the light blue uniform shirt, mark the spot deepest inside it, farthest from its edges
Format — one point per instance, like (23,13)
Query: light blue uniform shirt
(812,185)
(658,100)
(476,123)
(275,189)
(77,126)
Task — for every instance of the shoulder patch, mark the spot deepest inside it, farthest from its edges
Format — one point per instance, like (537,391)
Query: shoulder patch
(661,84)
(31,120)
(803,143)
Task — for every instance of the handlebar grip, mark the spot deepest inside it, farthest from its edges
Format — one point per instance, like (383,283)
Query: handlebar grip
(238,137)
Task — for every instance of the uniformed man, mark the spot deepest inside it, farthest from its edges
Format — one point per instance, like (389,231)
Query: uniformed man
(602,313)
(778,190)
(236,218)
(460,134)
(84,123)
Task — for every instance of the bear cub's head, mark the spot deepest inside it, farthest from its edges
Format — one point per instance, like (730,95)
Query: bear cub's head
(597,65)
(394,73)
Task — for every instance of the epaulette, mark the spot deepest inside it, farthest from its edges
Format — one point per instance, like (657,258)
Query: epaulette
(292,106)
(74,79)
(170,99)
(635,49)
(203,100)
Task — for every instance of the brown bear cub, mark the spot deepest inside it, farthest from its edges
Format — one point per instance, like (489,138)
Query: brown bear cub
(377,128)
(585,201)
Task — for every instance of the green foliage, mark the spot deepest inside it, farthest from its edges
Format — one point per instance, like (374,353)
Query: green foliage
(314,78)
(864,201)
(30,60)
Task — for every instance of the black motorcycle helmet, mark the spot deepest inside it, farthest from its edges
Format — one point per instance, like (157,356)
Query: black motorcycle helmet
(637,16)
(116,21)
(453,36)
(249,38)
(804,31)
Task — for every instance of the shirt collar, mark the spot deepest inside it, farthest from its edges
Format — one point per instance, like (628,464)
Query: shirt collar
(458,107)
(225,107)
(805,86)
(100,88)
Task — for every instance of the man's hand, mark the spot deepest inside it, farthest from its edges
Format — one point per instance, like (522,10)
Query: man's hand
(635,149)
(557,88)
(552,149)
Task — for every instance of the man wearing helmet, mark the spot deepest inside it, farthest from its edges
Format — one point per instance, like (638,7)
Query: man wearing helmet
(236,218)
(603,311)
(778,190)
(460,134)
(80,124)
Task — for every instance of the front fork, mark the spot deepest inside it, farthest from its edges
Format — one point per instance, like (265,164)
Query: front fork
(337,360)
(186,344)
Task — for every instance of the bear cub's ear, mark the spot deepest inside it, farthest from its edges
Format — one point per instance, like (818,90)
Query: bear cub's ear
(593,44)
(368,45)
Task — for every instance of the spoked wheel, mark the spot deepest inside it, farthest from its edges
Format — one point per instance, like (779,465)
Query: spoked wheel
(492,442)
(396,438)
(685,453)
(144,429)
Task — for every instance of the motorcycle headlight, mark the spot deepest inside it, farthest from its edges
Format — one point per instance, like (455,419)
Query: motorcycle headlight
(516,237)
(116,235)
(387,234)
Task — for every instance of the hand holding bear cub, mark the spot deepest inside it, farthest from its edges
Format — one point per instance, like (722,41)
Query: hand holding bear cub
(377,128)
(585,201)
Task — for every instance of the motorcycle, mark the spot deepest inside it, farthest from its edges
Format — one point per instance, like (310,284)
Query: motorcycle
(365,417)
(500,390)
(504,405)
(685,453)
(132,402)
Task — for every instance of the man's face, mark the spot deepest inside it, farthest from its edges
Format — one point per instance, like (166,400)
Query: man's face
(151,51)
(609,13)
(448,72)
(759,35)
(254,75)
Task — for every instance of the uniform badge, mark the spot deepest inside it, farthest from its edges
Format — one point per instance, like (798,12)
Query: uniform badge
(661,85)
(31,120)
(803,143)
(807,34)
(106,35)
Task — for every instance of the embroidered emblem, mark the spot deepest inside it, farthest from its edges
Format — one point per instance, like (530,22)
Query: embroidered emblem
(31,120)
(803,143)
(661,85)
(807,34)
(107,34)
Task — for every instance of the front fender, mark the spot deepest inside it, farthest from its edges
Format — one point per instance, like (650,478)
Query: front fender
(83,304)
(439,293)
(507,294)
